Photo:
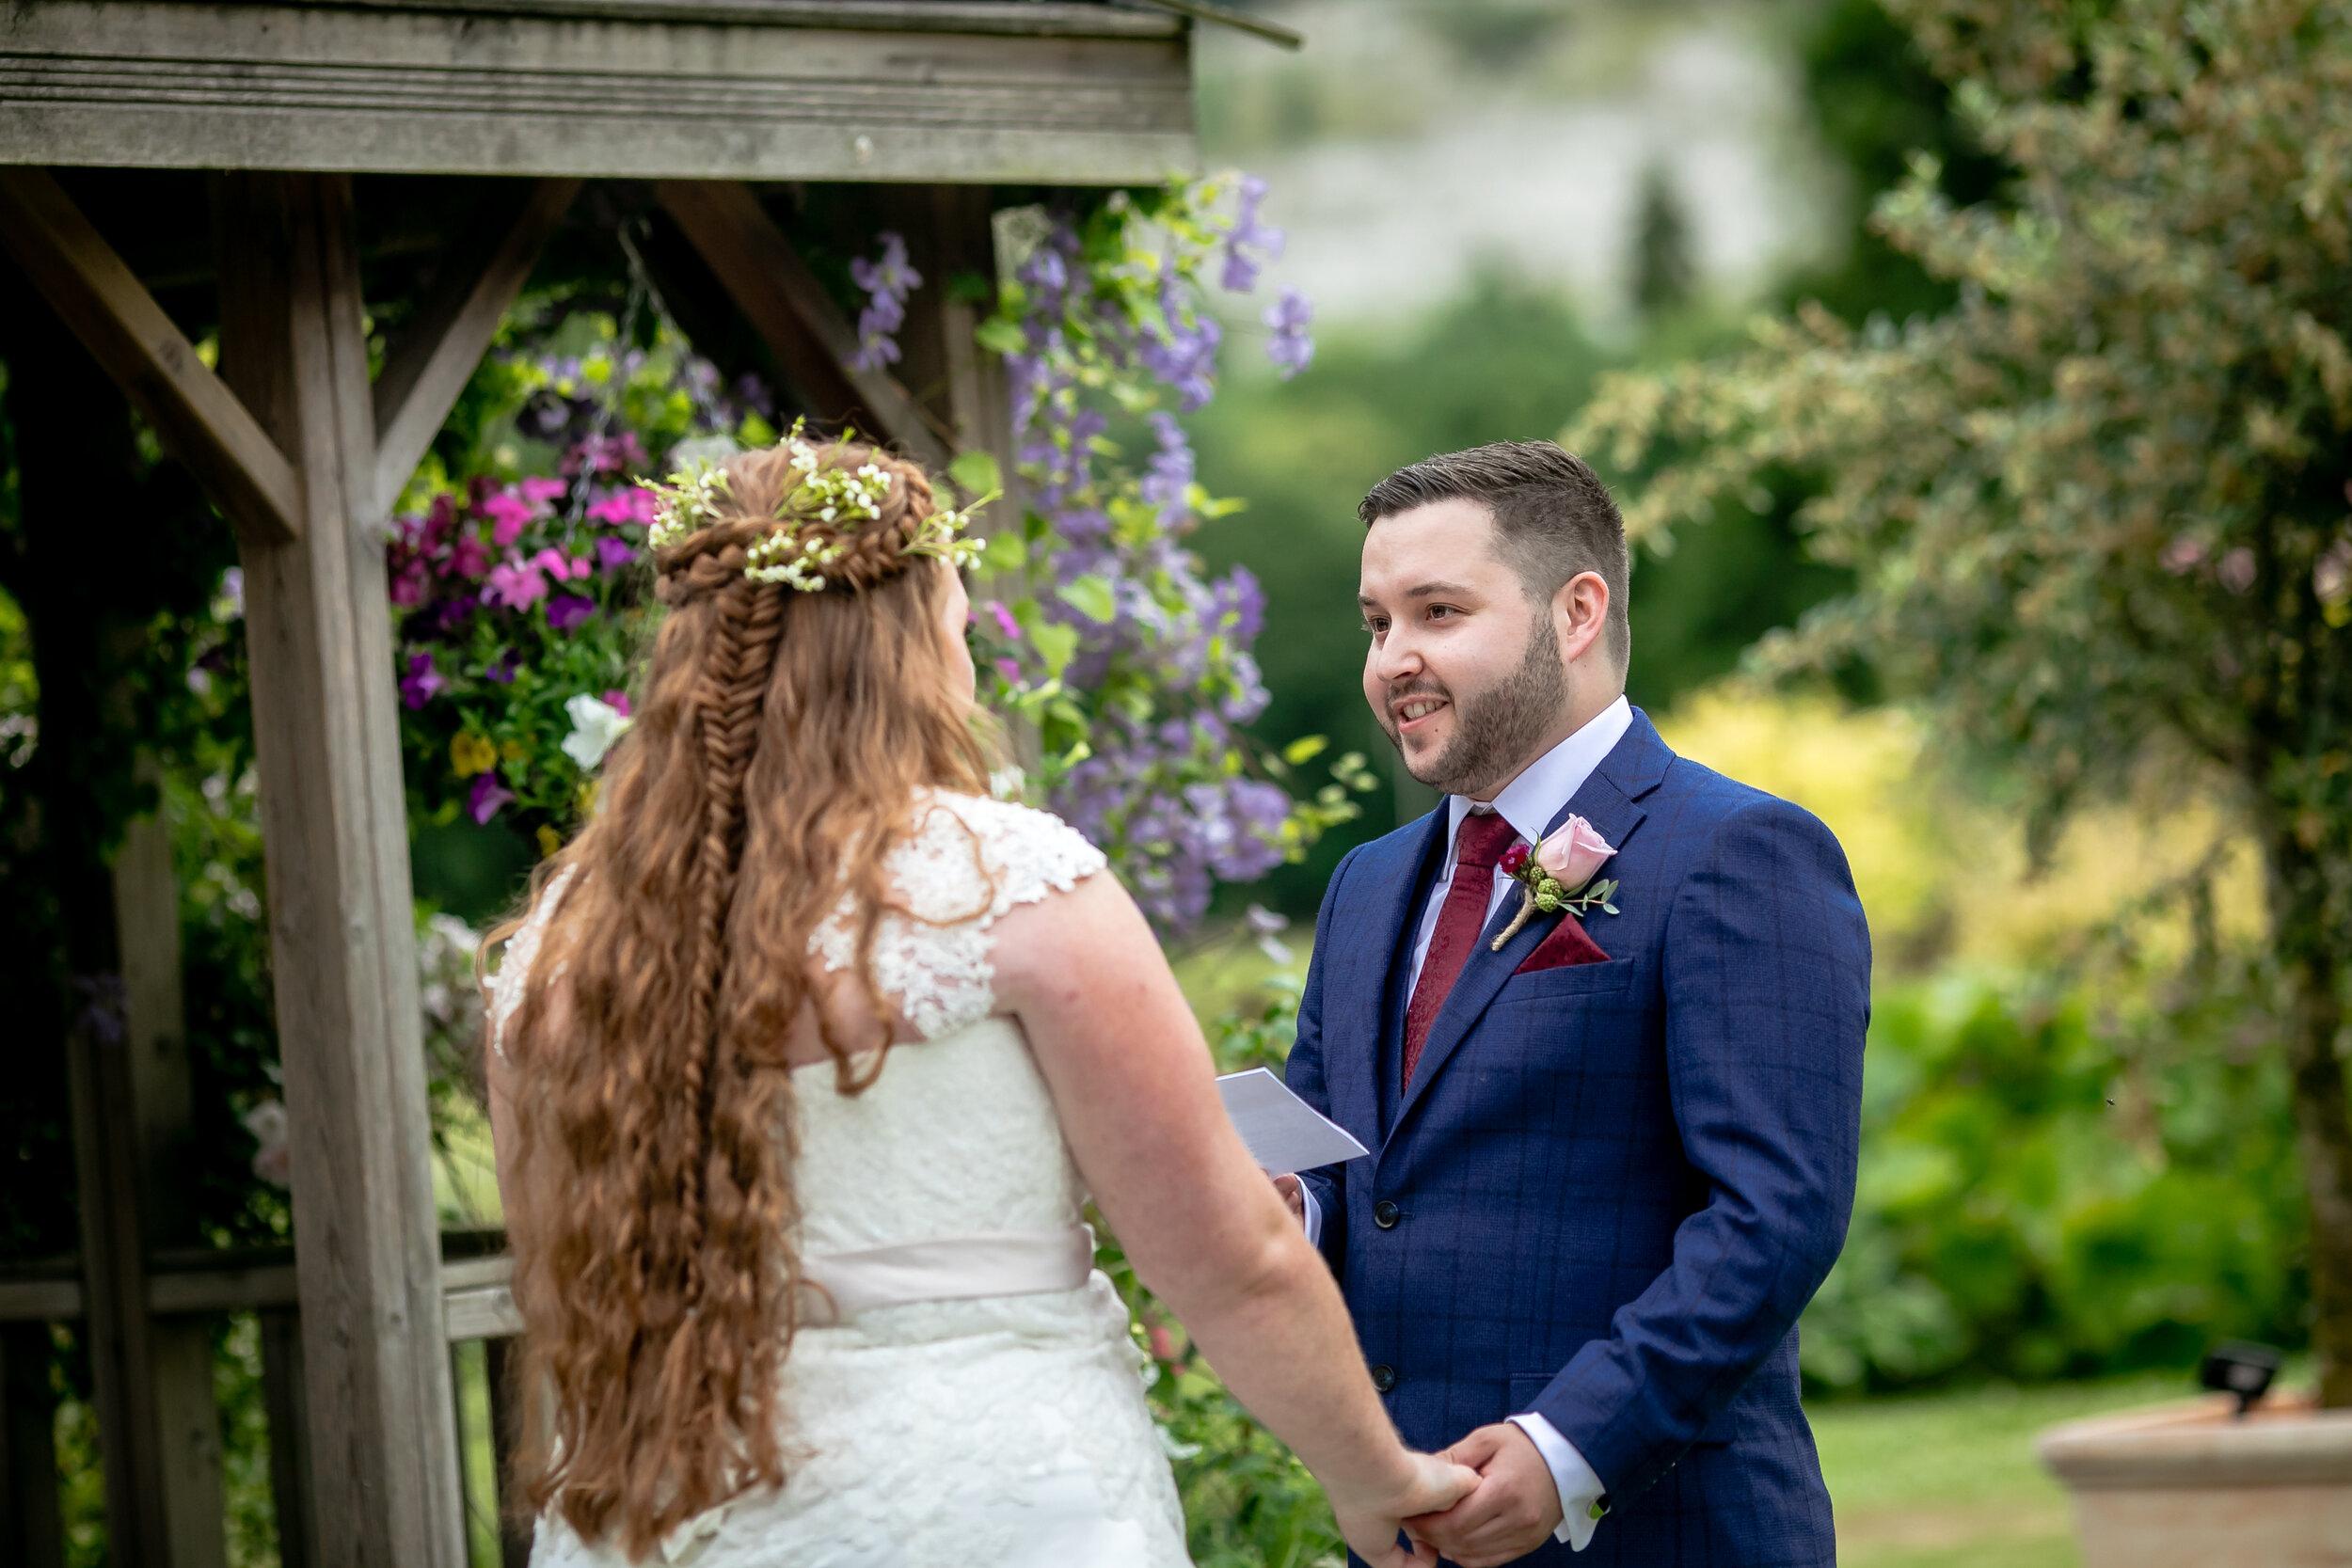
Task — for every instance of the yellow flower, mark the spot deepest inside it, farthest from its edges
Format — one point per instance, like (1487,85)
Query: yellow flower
(471,753)
(550,840)
(512,750)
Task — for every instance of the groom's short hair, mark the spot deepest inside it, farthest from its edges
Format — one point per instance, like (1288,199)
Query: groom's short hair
(1553,518)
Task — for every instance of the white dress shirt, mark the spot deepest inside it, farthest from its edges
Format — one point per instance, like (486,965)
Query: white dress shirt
(1528,803)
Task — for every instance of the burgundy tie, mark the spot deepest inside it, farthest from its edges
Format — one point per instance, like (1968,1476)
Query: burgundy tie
(1477,846)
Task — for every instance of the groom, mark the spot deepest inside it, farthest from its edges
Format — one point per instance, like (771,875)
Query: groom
(1613,1158)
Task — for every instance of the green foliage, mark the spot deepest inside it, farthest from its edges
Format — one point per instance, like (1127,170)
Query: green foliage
(2054,1188)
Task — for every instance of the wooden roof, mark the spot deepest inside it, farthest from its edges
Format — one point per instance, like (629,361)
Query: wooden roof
(977,91)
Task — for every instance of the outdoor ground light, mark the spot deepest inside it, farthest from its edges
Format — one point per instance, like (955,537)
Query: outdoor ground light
(2239,1366)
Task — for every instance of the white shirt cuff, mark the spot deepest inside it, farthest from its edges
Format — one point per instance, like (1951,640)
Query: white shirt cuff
(1314,1216)
(1579,1489)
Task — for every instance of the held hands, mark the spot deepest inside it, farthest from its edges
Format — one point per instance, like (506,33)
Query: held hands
(1432,1487)
(1514,1510)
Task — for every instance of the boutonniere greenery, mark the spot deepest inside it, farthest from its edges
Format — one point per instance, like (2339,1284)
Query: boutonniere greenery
(1557,875)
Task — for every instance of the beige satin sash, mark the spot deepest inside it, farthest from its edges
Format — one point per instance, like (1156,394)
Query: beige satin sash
(839,1286)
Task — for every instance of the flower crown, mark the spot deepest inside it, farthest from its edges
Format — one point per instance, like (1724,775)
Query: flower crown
(827,503)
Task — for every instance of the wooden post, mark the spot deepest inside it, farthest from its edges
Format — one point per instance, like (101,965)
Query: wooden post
(180,1349)
(30,1531)
(286,1400)
(382,1425)
(950,237)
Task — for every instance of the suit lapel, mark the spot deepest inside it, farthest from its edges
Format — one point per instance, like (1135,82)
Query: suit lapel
(1609,800)
(1387,906)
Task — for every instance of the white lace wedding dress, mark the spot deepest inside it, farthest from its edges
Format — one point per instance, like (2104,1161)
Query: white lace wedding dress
(980,1400)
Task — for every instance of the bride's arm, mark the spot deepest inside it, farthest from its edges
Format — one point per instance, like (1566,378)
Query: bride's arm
(1137,1095)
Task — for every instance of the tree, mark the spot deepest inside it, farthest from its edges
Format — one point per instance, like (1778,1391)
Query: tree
(2097,506)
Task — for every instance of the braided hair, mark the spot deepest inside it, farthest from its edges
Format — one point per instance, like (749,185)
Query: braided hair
(786,734)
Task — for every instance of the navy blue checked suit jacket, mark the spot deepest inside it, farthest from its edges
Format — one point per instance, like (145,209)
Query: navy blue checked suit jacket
(1612,1187)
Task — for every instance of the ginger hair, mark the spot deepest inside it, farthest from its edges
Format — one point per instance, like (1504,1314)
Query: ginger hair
(775,760)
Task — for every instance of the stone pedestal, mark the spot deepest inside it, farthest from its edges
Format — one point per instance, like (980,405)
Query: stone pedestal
(2191,1484)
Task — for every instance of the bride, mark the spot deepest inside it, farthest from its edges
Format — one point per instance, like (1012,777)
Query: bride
(804,1062)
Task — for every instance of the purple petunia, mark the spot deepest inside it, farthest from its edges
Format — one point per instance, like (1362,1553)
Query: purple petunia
(422,682)
(567,610)
(612,553)
(487,796)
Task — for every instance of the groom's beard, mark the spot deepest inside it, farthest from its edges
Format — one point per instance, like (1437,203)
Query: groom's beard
(1495,731)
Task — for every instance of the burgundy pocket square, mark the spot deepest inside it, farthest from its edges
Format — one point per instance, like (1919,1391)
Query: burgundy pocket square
(1568,944)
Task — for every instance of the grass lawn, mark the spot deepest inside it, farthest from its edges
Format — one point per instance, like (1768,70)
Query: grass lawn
(1951,1480)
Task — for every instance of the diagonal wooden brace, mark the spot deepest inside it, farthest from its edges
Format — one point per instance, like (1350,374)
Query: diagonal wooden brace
(813,342)
(127,332)
(429,366)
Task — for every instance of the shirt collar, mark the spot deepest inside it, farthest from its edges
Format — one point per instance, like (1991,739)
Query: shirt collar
(1529,801)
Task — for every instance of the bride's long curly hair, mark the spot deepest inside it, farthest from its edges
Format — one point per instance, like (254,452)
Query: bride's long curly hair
(774,763)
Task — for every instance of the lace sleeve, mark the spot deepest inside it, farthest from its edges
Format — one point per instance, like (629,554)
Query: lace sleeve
(970,862)
(522,950)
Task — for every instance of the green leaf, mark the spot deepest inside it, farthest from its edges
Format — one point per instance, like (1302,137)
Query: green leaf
(976,472)
(999,336)
(1090,596)
(1006,552)
(1055,643)
(1304,748)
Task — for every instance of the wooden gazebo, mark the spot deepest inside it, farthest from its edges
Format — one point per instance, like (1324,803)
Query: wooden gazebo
(263,115)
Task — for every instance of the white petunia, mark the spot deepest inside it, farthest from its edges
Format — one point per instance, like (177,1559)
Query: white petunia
(596,726)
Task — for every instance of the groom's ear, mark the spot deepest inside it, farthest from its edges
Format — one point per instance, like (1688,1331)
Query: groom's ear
(1580,615)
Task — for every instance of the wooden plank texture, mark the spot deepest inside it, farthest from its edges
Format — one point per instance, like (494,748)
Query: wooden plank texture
(188,1421)
(157,367)
(601,91)
(812,339)
(381,1423)
(432,361)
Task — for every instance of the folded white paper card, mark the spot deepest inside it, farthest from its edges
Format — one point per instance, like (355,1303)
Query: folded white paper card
(1283,1132)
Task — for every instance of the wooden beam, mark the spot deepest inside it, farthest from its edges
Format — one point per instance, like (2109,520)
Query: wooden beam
(122,327)
(426,370)
(382,1431)
(187,1421)
(813,342)
(1007,92)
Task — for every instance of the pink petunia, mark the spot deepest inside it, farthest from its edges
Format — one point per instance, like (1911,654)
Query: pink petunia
(507,514)
(541,492)
(630,504)
(469,558)
(1005,622)
(617,702)
(515,584)
(560,566)
(410,582)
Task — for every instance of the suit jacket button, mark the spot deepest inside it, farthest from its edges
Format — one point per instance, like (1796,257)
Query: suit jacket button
(1384,1214)
(1384,1378)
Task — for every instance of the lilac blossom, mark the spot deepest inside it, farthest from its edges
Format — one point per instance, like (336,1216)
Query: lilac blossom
(887,283)
(1290,346)
(1168,477)
(1248,235)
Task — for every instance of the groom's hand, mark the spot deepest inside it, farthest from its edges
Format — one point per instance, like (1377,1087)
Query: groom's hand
(1514,1510)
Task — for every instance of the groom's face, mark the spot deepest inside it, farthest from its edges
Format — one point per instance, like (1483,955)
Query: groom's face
(1464,671)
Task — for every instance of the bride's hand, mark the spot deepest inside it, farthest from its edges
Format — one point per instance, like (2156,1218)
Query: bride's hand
(1370,1524)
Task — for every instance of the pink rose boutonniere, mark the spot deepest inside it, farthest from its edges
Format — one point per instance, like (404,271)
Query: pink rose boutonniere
(1558,875)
